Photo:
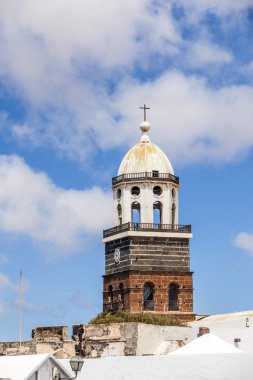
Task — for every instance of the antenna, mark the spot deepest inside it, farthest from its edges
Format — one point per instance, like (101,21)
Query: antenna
(20,310)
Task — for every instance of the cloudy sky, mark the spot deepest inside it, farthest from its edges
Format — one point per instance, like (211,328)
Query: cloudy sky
(73,75)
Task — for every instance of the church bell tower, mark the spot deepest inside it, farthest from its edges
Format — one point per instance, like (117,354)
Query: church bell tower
(147,259)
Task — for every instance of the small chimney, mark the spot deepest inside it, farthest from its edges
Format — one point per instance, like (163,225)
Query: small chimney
(203,331)
(237,341)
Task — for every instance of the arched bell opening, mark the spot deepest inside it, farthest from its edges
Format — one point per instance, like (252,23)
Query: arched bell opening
(121,291)
(148,296)
(121,295)
(157,212)
(173,297)
(136,213)
(118,194)
(119,210)
(110,289)
(173,213)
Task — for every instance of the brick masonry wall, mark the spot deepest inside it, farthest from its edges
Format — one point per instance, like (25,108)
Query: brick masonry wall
(134,281)
(159,260)
(148,253)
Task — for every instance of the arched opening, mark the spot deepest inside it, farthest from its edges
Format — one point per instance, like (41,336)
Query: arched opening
(121,293)
(173,297)
(118,194)
(110,293)
(119,209)
(157,213)
(148,296)
(136,213)
(173,214)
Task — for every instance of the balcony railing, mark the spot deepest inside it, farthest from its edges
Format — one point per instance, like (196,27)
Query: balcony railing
(152,176)
(177,228)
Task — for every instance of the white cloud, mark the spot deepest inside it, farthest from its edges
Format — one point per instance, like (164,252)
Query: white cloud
(248,69)
(60,58)
(33,307)
(65,68)
(32,205)
(6,283)
(244,241)
(58,40)
(190,120)
(7,286)
(205,53)
(54,50)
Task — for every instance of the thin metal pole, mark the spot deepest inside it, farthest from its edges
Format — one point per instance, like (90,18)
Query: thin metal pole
(20,310)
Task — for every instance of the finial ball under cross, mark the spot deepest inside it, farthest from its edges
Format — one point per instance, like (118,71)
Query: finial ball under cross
(144,108)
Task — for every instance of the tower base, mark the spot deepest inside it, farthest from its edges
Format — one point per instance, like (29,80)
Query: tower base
(125,291)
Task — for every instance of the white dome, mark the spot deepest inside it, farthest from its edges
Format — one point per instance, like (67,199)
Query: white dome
(145,156)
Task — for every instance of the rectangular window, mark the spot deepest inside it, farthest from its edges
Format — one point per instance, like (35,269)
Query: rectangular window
(155,173)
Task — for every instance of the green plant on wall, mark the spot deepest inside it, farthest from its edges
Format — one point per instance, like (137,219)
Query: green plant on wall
(124,316)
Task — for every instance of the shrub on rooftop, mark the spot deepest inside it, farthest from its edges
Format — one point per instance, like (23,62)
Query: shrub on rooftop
(125,316)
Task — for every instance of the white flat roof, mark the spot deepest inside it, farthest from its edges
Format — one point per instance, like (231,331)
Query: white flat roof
(223,317)
(188,367)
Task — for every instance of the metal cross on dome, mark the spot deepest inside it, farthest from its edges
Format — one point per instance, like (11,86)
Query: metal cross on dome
(144,108)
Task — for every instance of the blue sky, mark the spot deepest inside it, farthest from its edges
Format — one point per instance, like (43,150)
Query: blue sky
(72,77)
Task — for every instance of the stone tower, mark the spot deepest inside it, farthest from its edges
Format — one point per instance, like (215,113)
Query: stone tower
(147,261)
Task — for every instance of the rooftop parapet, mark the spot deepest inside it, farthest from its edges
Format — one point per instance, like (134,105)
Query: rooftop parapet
(150,176)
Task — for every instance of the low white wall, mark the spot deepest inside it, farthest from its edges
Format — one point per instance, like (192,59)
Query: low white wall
(153,339)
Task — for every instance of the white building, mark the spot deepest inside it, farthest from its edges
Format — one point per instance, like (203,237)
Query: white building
(32,367)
